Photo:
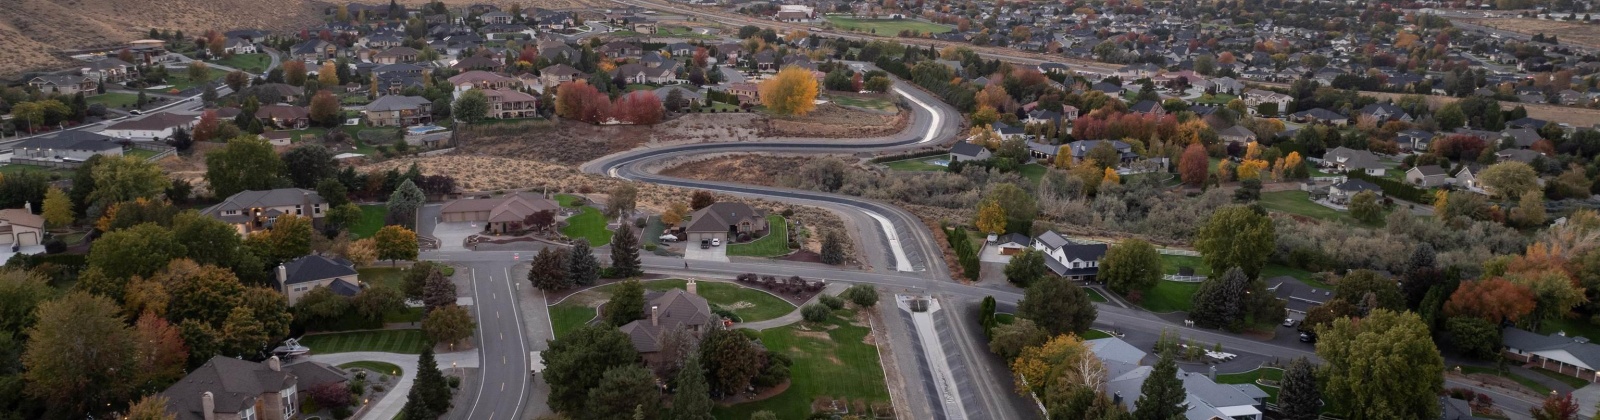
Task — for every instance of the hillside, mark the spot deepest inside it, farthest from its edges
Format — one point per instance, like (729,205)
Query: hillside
(34,32)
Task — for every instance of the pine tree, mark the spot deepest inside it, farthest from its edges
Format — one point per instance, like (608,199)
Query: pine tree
(582,268)
(1217,303)
(1161,397)
(404,202)
(627,303)
(549,270)
(430,395)
(832,249)
(625,253)
(1299,399)
(692,399)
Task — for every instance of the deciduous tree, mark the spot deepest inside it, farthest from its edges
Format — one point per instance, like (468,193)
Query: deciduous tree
(1556,407)
(80,355)
(324,109)
(791,92)
(396,243)
(1509,179)
(448,325)
(294,72)
(136,251)
(245,163)
(638,107)
(57,208)
(1493,299)
(730,360)
(832,248)
(1057,306)
(472,106)
(1365,207)
(1131,265)
(1384,366)
(150,407)
(1026,267)
(1355,287)
(1236,236)
(991,218)
(159,353)
(575,363)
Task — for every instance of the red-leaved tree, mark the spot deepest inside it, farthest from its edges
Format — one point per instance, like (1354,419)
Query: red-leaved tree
(1194,165)
(580,101)
(1459,147)
(1494,299)
(638,107)
(206,128)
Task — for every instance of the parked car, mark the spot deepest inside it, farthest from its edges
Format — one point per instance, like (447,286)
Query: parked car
(716,241)
(705,244)
(1306,337)
(668,238)
(1290,322)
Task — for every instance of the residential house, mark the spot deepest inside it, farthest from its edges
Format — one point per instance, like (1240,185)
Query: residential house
(1237,134)
(505,103)
(289,93)
(225,388)
(720,220)
(1010,243)
(1256,97)
(555,75)
(20,228)
(641,73)
(687,94)
(964,151)
(478,62)
(478,79)
(154,127)
(1041,152)
(746,91)
(1006,131)
(496,18)
(619,49)
(108,70)
(1385,112)
(314,51)
(1342,192)
(396,55)
(1204,397)
(666,312)
(500,214)
(252,211)
(795,13)
(285,116)
(1149,107)
(1320,116)
(65,84)
(1415,141)
(1080,150)
(398,111)
(1073,260)
(1520,137)
(1298,297)
(1571,356)
(1343,159)
(1427,176)
(1519,155)
(67,146)
(298,277)
(239,46)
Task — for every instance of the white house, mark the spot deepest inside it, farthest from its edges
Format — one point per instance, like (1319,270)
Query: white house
(154,127)
(1075,261)
(1573,356)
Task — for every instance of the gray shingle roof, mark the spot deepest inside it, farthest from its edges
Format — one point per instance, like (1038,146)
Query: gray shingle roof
(317,267)
(966,149)
(1578,347)
(234,386)
(269,198)
(396,102)
(72,140)
(676,309)
(718,216)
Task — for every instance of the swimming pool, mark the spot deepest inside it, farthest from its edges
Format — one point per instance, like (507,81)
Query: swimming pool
(425,129)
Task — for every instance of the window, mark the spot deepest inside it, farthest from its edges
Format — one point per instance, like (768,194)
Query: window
(297,209)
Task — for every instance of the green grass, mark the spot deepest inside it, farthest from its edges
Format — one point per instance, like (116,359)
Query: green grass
(565,317)
(1271,374)
(887,27)
(380,367)
(1574,327)
(114,100)
(840,366)
(250,63)
(17,169)
(1170,264)
(879,104)
(775,244)
(569,200)
(140,154)
(1033,172)
(636,86)
(1004,318)
(1569,380)
(390,277)
(721,107)
(681,32)
(1095,296)
(1218,99)
(391,341)
(749,304)
(1537,387)
(372,216)
(1299,202)
(179,80)
(588,224)
(1095,334)
(1170,296)
(919,164)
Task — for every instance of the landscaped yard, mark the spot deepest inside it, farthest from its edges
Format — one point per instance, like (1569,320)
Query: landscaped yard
(392,341)
(1033,172)
(250,63)
(1170,264)
(1094,295)
(17,169)
(830,360)
(1299,202)
(1569,380)
(1270,374)
(921,164)
(114,100)
(775,244)
(1574,327)
(139,154)
(588,224)
(1170,296)
(749,304)
(1524,381)
(1218,99)
(888,27)
(569,200)
(372,216)
(380,367)
(1095,334)
(179,80)
(880,104)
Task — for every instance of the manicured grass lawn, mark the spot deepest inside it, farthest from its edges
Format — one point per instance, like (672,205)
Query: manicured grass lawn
(1170,264)
(565,317)
(251,63)
(1271,374)
(920,164)
(1004,318)
(775,244)
(1531,384)
(114,100)
(1033,172)
(721,107)
(636,86)
(140,154)
(1574,382)
(569,200)
(888,27)
(840,365)
(392,341)
(1574,327)
(179,79)
(588,224)
(880,104)
(371,220)
(1218,99)
(17,169)
(380,367)
(749,304)
(681,32)
(1299,202)
(1095,334)
(1095,296)
(1170,296)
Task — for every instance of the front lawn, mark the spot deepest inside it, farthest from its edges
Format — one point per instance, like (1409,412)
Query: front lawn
(385,368)
(1271,374)
(114,100)
(1170,296)
(921,164)
(1299,202)
(879,104)
(1095,296)
(774,244)
(1033,172)
(565,317)
(1529,383)
(372,216)
(250,63)
(830,360)
(1574,327)
(588,224)
(1095,334)
(569,200)
(887,27)
(1218,99)
(1575,383)
(1170,264)
(750,305)
(391,341)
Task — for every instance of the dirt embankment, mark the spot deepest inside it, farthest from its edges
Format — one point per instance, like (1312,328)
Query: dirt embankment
(744,168)
(833,121)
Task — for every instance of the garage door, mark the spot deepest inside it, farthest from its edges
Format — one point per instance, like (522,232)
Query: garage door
(695,238)
(6,239)
(28,238)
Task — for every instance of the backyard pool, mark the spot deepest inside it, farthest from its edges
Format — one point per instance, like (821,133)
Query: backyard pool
(424,129)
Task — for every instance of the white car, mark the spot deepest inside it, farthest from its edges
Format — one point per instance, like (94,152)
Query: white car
(716,242)
(668,238)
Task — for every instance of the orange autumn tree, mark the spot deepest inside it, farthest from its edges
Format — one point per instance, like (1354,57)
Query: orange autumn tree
(1494,300)
(791,92)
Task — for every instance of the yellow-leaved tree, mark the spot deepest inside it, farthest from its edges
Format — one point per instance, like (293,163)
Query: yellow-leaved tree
(328,75)
(791,92)
(1111,177)
(57,208)
(991,218)
(1251,169)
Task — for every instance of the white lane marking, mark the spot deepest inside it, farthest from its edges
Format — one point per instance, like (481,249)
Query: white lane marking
(477,309)
(900,261)
(933,127)
(522,343)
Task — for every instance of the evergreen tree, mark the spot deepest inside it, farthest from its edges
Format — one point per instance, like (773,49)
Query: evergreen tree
(832,249)
(627,303)
(1217,304)
(1161,397)
(625,253)
(403,204)
(692,399)
(582,267)
(1299,399)
(1057,306)
(623,392)
(549,270)
(430,394)
(576,361)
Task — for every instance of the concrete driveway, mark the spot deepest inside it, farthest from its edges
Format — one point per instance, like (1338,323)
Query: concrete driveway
(692,251)
(453,235)
(991,254)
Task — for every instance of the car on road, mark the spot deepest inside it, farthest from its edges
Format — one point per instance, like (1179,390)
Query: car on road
(705,244)
(716,241)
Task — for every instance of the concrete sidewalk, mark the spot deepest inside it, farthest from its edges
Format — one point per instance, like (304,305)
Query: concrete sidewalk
(389,406)
(793,316)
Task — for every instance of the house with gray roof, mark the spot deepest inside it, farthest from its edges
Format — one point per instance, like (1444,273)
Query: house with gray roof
(724,220)
(398,111)
(1572,356)
(1080,150)
(1519,155)
(1342,192)
(1344,159)
(1236,134)
(67,146)
(298,277)
(251,211)
(1073,260)
(1427,176)
(500,214)
(964,151)
(674,309)
(1206,399)
(229,388)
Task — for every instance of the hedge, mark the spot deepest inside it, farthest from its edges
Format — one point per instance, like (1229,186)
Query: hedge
(966,256)
(1396,189)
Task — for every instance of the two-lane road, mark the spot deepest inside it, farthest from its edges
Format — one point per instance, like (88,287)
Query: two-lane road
(502,345)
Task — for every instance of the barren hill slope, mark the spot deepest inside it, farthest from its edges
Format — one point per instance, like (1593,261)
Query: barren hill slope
(34,32)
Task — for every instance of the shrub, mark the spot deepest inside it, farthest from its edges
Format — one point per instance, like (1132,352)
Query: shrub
(815,313)
(454,381)
(863,295)
(640,223)
(55,246)
(833,302)
(341,413)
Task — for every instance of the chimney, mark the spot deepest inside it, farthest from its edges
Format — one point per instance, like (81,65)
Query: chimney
(692,288)
(27,205)
(277,365)
(208,406)
(1213,373)
(655,318)
(1117,398)
(283,275)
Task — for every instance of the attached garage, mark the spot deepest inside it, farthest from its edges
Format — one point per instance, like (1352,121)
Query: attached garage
(696,237)
(20,227)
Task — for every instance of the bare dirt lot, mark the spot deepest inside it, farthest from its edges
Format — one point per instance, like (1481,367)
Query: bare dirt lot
(745,168)
(833,121)
(1574,32)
